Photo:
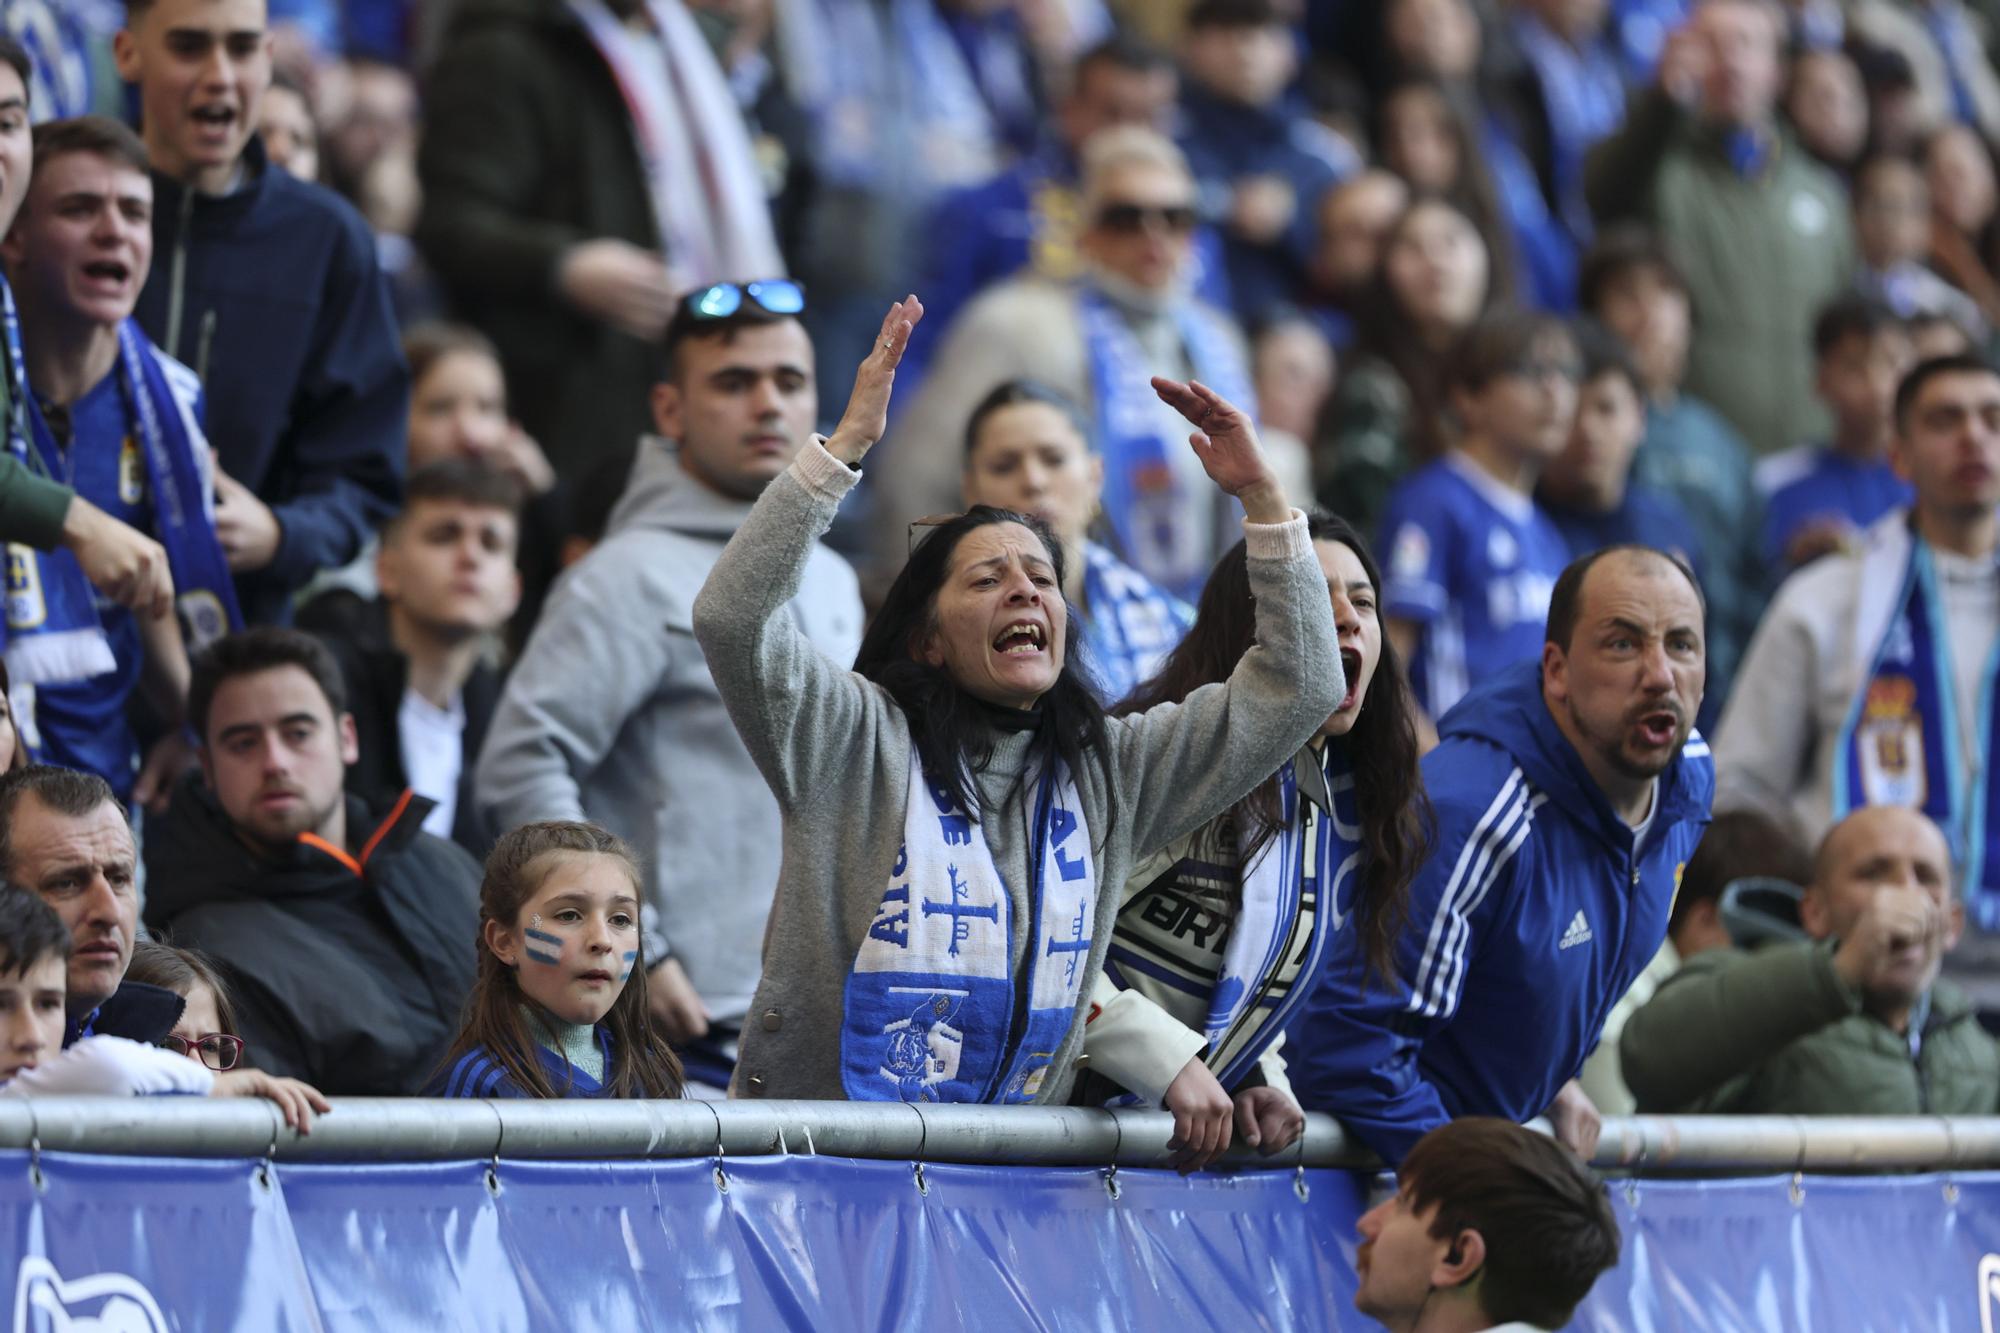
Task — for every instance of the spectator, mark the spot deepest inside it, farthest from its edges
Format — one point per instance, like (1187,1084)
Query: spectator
(122,420)
(1760,231)
(206,1032)
(1958,166)
(1029,216)
(64,837)
(285,123)
(1574,95)
(1261,162)
(1568,795)
(1853,1020)
(70,41)
(1938,335)
(1818,498)
(1219,905)
(559,1009)
(648,749)
(1025,451)
(34,1062)
(1738,845)
(274,296)
(956,667)
(1633,287)
(1945,43)
(1827,109)
(1094,343)
(1424,135)
(1473,558)
(1293,373)
(1892,230)
(558,222)
(37,511)
(1587,489)
(1355,218)
(415,662)
(345,934)
(1492,1226)
(1387,414)
(1868,681)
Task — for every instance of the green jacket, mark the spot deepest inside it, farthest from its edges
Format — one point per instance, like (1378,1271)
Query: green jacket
(1762,252)
(1777,1032)
(32,507)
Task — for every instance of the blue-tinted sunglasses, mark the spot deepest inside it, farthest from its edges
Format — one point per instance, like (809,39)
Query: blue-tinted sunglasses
(777,296)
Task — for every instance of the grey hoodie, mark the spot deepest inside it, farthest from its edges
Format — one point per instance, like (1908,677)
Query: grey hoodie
(611,715)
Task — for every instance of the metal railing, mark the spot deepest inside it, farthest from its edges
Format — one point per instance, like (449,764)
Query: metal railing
(380,1129)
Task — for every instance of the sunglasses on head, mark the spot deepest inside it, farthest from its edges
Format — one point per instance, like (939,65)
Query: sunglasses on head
(1134,218)
(776,296)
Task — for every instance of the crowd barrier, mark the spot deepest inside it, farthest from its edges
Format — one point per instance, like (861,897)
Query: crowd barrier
(125,1217)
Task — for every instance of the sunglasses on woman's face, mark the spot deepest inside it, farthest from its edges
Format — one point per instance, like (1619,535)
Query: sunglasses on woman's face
(218,1050)
(1131,219)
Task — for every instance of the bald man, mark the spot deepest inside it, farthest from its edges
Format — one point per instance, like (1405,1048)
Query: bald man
(1852,1020)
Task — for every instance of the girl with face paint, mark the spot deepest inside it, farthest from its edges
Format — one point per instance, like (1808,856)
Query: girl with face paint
(559,1006)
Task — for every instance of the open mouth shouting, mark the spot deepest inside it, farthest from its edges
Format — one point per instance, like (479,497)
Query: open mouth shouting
(1350,671)
(1658,729)
(215,122)
(108,273)
(1023,638)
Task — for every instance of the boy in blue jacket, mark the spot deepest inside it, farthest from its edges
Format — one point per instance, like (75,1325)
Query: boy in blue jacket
(1568,793)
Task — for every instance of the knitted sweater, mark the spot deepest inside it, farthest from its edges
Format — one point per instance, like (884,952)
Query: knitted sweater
(835,749)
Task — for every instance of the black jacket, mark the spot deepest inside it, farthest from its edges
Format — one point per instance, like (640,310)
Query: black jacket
(135,1011)
(349,972)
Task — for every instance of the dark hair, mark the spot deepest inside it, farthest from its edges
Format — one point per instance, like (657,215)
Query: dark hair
(1122,51)
(65,791)
(643,1064)
(1968,363)
(948,725)
(14,54)
(19,758)
(1474,193)
(1548,1227)
(1497,343)
(461,479)
(429,343)
(1566,602)
(686,326)
(1395,811)
(1603,354)
(1234,14)
(99,135)
(1619,252)
(1013,393)
(30,931)
(1852,316)
(155,963)
(262,648)
(1737,844)
(1926,319)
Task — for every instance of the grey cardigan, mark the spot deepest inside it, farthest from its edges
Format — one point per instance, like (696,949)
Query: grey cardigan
(835,749)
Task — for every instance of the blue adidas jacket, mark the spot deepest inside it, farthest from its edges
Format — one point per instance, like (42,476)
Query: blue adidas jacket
(1529,921)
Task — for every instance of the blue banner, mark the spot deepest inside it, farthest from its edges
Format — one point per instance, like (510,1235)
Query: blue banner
(137,1245)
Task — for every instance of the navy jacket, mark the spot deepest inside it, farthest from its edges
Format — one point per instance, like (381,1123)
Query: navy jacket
(284,313)
(1531,918)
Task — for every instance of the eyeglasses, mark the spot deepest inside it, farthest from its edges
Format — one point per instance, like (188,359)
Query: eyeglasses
(218,1050)
(1131,219)
(775,296)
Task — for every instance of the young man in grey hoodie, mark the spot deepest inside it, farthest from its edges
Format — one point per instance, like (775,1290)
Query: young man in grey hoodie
(611,714)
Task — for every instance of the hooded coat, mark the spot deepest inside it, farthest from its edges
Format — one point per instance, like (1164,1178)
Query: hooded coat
(1535,912)
(348,971)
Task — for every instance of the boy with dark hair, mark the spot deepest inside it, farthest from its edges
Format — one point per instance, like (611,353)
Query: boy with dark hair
(1892,232)
(121,419)
(1472,557)
(1588,488)
(346,933)
(1493,1227)
(1818,498)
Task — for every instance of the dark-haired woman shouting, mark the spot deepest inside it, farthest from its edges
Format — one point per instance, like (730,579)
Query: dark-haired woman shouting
(959,813)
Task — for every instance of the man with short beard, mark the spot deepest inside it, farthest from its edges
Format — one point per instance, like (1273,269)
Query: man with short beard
(1568,795)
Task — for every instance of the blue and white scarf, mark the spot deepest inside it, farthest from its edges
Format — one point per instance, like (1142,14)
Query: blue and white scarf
(929,1010)
(1130,624)
(50,607)
(1282,927)
(1144,498)
(1901,743)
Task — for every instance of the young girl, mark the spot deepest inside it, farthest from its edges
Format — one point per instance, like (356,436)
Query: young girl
(206,1031)
(1222,933)
(559,1007)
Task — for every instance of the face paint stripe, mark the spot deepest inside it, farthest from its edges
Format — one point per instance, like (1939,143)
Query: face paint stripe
(542,957)
(543,936)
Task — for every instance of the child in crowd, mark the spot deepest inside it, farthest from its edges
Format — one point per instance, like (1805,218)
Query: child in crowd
(1819,497)
(1892,231)
(34,961)
(559,1009)
(206,1032)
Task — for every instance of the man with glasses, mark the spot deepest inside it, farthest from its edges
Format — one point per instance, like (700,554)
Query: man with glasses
(611,713)
(1097,341)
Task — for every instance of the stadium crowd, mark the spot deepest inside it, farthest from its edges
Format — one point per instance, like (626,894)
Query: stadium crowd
(1340,460)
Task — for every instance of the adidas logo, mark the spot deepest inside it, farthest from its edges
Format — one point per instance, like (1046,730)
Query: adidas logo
(1578,933)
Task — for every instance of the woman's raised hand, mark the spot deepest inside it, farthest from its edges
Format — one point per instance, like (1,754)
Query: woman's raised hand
(867,414)
(1226,442)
